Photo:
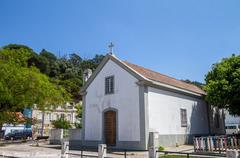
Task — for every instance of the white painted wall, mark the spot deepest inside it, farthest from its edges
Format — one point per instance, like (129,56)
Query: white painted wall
(75,134)
(125,99)
(230,119)
(56,134)
(164,113)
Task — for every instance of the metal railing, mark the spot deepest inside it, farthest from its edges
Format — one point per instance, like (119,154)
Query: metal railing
(188,155)
(124,151)
(84,153)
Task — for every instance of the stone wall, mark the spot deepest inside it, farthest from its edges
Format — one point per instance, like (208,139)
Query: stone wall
(55,136)
(75,138)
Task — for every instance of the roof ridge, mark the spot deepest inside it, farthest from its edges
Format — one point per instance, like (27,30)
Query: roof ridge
(158,73)
(152,71)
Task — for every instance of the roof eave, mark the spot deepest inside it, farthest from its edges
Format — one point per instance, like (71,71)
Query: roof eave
(160,85)
(140,77)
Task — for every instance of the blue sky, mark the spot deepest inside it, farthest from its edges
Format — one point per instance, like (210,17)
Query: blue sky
(180,38)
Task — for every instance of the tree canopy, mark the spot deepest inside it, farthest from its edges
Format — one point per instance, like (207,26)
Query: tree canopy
(28,78)
(223,84)
(64,71)
(22,86)
(196,83)
(61,124)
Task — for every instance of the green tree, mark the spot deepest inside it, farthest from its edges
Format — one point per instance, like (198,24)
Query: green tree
(78,124)
(79,110)
(223,84)
(65,72)
(22,86)
(16,56)
(196,83)
(61,124)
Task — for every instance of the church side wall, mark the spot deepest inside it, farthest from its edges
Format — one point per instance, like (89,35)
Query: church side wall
(231,119)
(125,101)
(164,116)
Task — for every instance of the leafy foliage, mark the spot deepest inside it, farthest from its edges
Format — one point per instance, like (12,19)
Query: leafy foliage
(79,110)
(161,148)
(78,124)
(10,118)
(223,84)
(66,72)
(61,124)
(196,83)
(28,78)
(18,84)
(22,86)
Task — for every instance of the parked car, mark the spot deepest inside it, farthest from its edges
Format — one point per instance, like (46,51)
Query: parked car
(232,129)
(2,134)
(15,135)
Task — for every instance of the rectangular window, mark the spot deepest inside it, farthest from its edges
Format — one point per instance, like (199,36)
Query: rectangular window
(217,121)
(57,116)
(50,116)
(109,85)
(39,116)
(62,116)
(183,117)
(69,117)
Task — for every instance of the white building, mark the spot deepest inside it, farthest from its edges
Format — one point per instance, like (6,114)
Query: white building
(44,119)
(231,119)
(123,102)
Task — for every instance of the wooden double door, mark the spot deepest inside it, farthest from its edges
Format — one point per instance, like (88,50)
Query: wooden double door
(110,127)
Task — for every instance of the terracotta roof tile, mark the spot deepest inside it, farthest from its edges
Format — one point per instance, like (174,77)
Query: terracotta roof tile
(155,76)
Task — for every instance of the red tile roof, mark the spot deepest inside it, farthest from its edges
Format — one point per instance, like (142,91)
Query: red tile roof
(155,76)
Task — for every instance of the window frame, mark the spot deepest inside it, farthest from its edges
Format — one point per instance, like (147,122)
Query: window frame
(217,120)
(183,118)
(108,91)
(62,116)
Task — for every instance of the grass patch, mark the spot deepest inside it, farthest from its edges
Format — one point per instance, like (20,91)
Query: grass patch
(1,144)
(177,156)
(160,148)
(173,156)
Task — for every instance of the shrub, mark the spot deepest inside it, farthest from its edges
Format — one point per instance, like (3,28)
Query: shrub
(61,124)
(160,148)
(78,125)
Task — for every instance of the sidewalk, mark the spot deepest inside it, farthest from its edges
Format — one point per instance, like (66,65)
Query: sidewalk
(182,148)
(28,150)
(44,150)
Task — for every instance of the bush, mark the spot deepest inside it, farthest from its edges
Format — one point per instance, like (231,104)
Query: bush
(161,148)
(78,125)
(61,124)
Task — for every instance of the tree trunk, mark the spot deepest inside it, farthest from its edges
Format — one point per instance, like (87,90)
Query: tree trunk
(43,118)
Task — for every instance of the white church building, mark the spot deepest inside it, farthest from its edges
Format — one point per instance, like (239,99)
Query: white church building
(123,102)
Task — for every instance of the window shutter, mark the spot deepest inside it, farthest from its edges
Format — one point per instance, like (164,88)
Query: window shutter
(183,114)
(106,86)
(109,85)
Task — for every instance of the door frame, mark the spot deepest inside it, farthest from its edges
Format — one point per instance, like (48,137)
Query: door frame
(103,124)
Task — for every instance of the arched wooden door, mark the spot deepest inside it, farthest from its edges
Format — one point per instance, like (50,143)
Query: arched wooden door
(110,127)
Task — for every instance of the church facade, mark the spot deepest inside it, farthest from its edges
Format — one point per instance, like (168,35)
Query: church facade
(123,102)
